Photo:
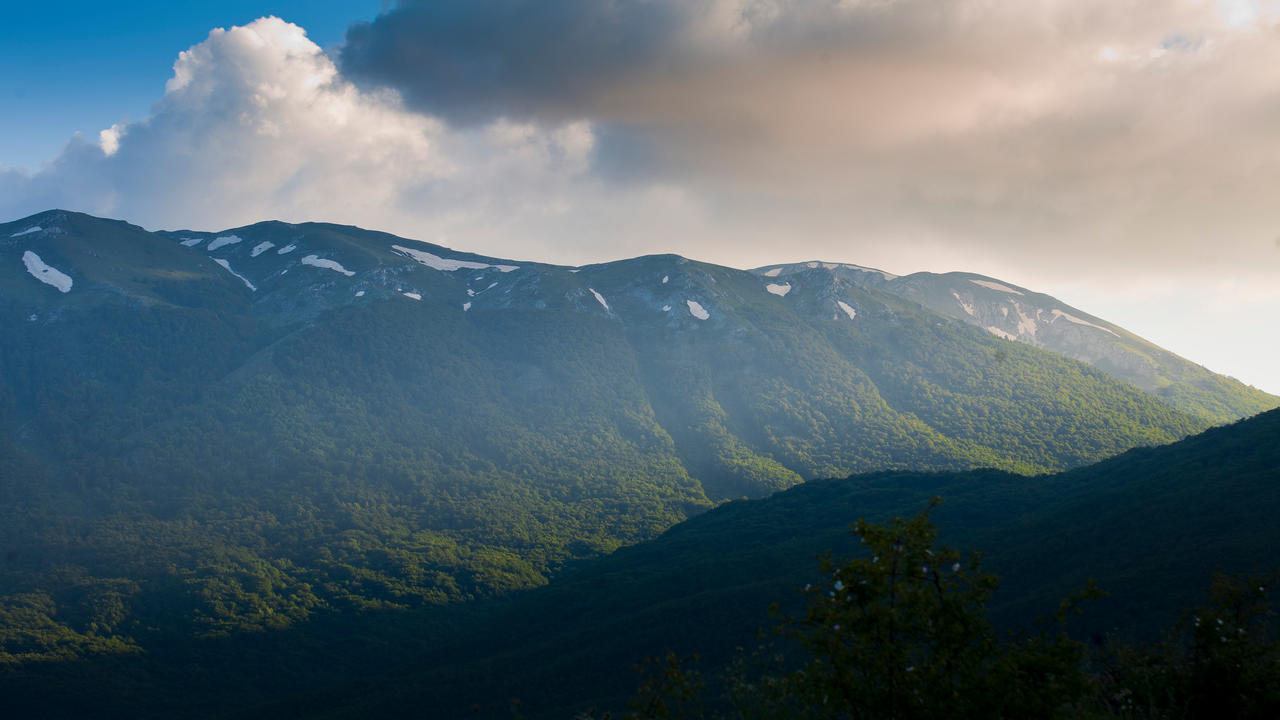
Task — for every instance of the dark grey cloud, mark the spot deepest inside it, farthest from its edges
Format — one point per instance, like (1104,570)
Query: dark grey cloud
(472,60)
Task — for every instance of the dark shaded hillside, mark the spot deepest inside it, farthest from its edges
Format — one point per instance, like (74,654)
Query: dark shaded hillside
(1150,526)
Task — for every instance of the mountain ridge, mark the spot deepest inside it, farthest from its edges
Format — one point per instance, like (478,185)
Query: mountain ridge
(328,422)
(1017,313)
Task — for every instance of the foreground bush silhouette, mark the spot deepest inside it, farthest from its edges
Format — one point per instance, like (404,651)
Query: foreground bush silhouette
(901,633)
(1221,661)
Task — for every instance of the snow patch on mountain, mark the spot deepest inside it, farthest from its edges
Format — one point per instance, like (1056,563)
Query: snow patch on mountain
(995,286)
(600,298)
(227,266)
(1027,325)
(317,261)
(448,264)
(287,249)
(191,242)
(696,310)
(261,248)
(1072,318)
(665,278)
(466,306)
(666,308)
(968,307)
(223,241)
(780,290)
(412,295)
(773,273)
(28,231)
(1001,333)
(46,274)
(359,293)
(847,310)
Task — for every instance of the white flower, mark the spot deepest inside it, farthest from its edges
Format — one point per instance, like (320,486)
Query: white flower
(839,585)
(955,567)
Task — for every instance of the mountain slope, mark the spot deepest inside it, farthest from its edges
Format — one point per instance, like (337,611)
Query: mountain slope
(1150,526)
(1019,314)
(208,433)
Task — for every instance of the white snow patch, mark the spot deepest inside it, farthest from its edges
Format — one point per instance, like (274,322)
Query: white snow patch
(1001,333)
(666,308)
(359,293)
(830,266)
(414,296)
(995,286)
(448,264)
(1078,321)
(847,310)
(778,289)
(492,285)
(812,264)
(968,307)
(227,266)
(471,293)
(223,241)
(327,264)
(261,248)
(665,279)
(28,231)
(45,274)
(575,270)
(1027,325)
(600,298)
(773,273)
(287,249)
(466,306)
(192,242)
(696,310)
(1004,311)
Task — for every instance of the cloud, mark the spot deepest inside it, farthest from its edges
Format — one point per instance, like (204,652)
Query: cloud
(256,123)
(1046,140)
(1082,133)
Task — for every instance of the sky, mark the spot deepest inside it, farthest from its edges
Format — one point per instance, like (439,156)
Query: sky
(1122,155)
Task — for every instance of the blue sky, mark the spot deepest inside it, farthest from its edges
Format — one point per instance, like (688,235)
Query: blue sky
(1068,146)
(81,66)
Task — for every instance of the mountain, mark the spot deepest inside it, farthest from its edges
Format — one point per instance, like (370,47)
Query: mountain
(216,433)
(1016,313)
(1150,526)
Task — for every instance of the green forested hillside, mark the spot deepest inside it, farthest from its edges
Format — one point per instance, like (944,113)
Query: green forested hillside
(1150,526)
(211,434)
(1036,319)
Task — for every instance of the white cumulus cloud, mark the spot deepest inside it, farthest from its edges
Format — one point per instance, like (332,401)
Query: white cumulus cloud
(256,123)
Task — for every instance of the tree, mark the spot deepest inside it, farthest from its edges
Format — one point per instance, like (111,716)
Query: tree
(902,633)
